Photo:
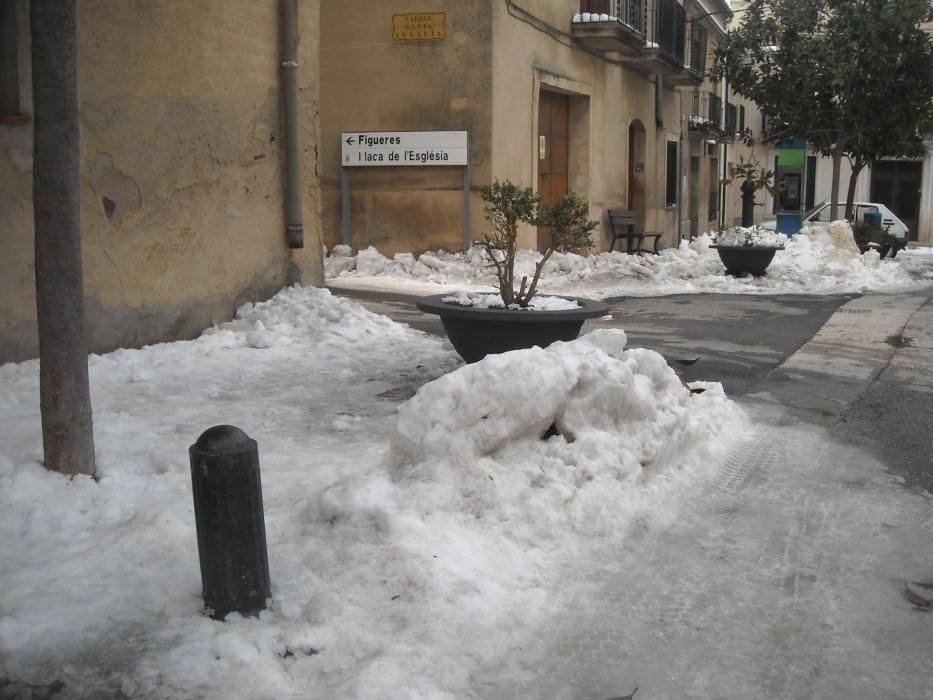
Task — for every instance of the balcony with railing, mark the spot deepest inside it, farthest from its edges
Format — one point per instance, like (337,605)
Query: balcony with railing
(653,36)
(698,42)
(706,120)
(611,26)
(705,116)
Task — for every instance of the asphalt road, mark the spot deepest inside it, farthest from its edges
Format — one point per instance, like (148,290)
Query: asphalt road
(739,338)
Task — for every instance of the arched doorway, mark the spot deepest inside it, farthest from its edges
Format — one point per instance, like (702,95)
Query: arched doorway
(636,169)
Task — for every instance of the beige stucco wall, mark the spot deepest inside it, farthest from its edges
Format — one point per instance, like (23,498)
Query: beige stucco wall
(525,59)
(371,83)
(181,142)
(486,77)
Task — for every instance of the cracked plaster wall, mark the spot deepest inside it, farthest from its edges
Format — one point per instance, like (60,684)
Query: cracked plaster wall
(182,167)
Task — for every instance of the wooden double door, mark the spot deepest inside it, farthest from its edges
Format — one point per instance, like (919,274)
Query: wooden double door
(553,152)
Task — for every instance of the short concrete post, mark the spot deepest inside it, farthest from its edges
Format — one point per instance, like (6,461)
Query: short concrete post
(229,518)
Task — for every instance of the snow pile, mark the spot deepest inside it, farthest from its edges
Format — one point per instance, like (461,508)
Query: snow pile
(593,17)
(755,236)
(812,262)
(470,442)
(494,301)
(396,572)
(838,235)
(918,251)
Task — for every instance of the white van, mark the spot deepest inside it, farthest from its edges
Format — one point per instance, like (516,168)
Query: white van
(819,215)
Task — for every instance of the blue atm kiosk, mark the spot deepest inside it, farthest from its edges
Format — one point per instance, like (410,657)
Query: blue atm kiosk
(789,178)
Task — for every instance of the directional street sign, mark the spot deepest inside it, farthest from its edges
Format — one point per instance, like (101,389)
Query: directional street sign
(379,148)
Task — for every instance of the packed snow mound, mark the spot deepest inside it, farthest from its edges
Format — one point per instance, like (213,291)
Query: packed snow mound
(818,260)
(301,314)
(838,235)
(623,417)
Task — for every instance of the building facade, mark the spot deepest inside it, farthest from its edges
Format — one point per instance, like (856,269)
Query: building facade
(590,97)
(903,185)
(181,167)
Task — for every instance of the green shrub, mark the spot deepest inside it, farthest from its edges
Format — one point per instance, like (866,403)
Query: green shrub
(507,206)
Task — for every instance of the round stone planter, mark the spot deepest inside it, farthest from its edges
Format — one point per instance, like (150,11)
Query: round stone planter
(741,259)
(475,333)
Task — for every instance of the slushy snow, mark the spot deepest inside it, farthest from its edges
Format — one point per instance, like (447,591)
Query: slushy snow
(812,262)
(409,544)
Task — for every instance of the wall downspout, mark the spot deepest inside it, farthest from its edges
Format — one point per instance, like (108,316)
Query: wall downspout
(658,101)
(294,228)
(725,156)
(681,172)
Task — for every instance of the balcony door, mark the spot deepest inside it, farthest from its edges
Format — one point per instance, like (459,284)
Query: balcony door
(553,152)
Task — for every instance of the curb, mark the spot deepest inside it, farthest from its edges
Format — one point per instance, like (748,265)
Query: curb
(826,375)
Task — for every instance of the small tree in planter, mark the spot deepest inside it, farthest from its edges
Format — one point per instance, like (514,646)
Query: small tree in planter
(479,329)
(755,172)
(508,205)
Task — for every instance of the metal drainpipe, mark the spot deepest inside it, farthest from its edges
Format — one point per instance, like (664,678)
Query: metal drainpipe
(725,156)
(681,168)
(658,101)
(294,228)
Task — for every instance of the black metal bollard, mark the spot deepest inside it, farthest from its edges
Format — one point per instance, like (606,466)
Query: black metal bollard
(229,518)
(748,203)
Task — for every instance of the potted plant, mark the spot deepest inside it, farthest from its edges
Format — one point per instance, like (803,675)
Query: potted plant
(755,173)
(514,318)
(869,236)
(749,249)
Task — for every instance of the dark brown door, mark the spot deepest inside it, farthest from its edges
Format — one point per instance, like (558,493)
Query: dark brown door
(694,196)
(553,152)
(896,184)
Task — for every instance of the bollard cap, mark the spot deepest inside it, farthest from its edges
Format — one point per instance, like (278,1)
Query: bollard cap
(223,439)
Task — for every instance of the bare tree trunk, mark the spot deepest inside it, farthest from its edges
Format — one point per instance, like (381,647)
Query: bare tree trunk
(834,191)
(67,430)
(853,181)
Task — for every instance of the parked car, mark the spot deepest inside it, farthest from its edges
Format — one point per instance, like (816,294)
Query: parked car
(819,215)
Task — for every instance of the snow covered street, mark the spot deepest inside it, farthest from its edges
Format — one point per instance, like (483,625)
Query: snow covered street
(432,545)
(778,578)
(782,576)
(405,551)
(811,263)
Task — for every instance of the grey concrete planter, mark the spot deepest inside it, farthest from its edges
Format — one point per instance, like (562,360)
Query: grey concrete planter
(742,259)
(475,333)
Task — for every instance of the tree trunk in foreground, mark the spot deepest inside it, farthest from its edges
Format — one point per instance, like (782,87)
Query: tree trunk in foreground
(837,167)
(67,430)
(857,168)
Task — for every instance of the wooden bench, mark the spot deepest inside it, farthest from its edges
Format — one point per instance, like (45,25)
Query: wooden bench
(622,227)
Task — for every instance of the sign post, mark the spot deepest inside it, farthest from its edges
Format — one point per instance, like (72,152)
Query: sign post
(373,149)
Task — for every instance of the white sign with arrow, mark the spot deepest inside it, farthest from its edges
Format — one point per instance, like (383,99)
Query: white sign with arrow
(378,148)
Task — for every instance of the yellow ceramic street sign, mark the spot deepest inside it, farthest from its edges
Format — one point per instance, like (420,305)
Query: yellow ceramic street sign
(419,26)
